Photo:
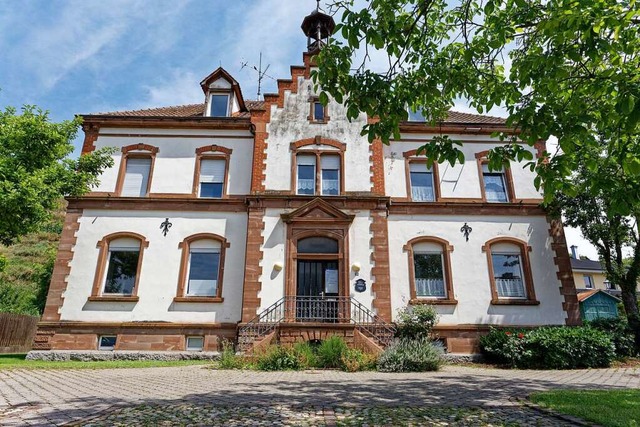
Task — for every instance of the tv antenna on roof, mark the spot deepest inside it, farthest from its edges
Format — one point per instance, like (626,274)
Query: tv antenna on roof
(261,73)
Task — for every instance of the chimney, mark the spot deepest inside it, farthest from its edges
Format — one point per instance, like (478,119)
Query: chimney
(574,252)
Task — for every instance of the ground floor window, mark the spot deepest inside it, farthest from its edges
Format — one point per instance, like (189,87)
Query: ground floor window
(106,342)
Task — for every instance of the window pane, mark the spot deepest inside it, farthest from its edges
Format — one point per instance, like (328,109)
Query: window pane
(219,105)
(122,270)
(494,187)
(507,272)
(422,187)
(306,179)
(211,189)
(136,177)
(330,182)
(588,281)
(429,275)
(203,273)
(107,342)
(318,112)
(195,343)
(416,116)
(318,245)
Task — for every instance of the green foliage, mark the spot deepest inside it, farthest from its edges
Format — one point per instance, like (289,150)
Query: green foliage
(228,358)
(307,355)
(411,355)
(330,352)
(416,321)
(354,360)
(35,172)
(549,348)
(620,333)
(278,358)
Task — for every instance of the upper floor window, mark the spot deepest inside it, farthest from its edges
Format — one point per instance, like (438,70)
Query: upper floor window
(134,178)
(588,281)
(430,270)
(415,116)
(212,177)
(318,113)
(219,104)
(312,166)
(421,178)
(510,270)
(202,268)
(495,185)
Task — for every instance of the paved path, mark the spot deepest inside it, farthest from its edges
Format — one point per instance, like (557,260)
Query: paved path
(170,396)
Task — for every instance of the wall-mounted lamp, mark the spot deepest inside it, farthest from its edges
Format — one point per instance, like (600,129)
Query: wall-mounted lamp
(278,266)
(355,267)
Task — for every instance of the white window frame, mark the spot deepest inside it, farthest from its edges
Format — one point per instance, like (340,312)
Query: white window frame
(201,175)
(426,171)
(210,106)
(188,347)
(315,171)
(522,278)
(444,278)
(144,183)
(107,348)
(588,281)
(503,178)
(188,278)
(322,169)
(111,248)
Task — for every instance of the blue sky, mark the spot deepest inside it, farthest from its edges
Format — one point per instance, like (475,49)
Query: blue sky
(87,56)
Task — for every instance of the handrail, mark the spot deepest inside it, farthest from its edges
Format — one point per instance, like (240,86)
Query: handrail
(315,309)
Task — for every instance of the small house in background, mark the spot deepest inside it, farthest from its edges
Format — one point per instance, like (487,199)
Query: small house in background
(597,304)
(588,274)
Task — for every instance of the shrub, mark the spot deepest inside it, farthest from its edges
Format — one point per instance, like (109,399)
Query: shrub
(354,360)
(620,334)
(277,358)
(228,358)
(330,352)
(549,348)
(411,355)
(306,355)
(416,321)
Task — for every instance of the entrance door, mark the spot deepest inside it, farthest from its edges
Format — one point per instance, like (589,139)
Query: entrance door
(317,291)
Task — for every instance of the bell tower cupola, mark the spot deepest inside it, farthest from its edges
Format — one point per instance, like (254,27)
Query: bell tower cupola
(317,26)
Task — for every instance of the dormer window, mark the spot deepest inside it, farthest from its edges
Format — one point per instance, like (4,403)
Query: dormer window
(219,105)
(416,116)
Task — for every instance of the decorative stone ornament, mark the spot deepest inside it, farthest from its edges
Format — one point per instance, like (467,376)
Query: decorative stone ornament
(466,230)
(165,226)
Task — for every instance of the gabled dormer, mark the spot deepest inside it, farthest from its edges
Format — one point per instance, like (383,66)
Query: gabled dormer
(223,97)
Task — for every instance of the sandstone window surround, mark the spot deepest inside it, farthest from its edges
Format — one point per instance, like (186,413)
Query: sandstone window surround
(119,266)
(201,271)
(423,183)
(318,113)
(318,167)
(211,172)
(136,170)
(430,275)
(495,186)
(510,274)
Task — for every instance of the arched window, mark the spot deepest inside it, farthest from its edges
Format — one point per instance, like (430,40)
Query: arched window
(495,186)
(211,172)
(136,170)
(318,167)
(423,183)
(119,263)
(430,270)
(317,245)
(202,268)
(510,271)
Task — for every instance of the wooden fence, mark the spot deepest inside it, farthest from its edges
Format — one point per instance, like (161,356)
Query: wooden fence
(16,332)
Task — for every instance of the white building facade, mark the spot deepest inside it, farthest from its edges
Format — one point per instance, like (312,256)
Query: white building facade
(217,213)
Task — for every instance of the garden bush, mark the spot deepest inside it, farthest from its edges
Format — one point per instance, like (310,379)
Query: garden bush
(228,358)
(416,321)
(620,334)
(277,358)
(411,355)
(330,352)
(306,355)
(354,360)
(549,348)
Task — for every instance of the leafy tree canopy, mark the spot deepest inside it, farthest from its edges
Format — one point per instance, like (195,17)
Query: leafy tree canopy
(567,68)
(35,172)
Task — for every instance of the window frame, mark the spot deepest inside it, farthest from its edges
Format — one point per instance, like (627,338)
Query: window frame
(525,265)
(447,249)
(213,93)
(313,100)
(211,152)
(189,337)
(101,268)
(481,160)
(185,245)
(411,157)
(591,284)
(107,348)
(297,148)
(135,151)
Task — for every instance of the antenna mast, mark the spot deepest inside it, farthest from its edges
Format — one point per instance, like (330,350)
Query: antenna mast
(261,73)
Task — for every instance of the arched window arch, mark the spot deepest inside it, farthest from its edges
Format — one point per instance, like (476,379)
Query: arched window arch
(119,263)
(510,271)
(201,268)
(423,183)
(211,172)
(318,167)
(136,170)
(430,274)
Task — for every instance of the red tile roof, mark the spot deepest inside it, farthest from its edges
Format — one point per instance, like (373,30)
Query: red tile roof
(196,110)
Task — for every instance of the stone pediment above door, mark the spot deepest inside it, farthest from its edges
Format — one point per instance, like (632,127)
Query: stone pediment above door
(317,210)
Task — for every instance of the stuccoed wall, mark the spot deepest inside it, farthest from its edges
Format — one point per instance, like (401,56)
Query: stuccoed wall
(160,265)
(470,271)
(175,162)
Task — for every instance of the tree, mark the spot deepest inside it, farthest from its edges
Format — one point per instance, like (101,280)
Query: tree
(568,68)
(616,236)
(35,172)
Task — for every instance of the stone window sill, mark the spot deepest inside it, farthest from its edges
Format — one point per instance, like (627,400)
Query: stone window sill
(114,298)
(199,299)
(514,302)
(433,301)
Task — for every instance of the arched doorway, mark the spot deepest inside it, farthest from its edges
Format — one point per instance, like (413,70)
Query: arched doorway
(317,267)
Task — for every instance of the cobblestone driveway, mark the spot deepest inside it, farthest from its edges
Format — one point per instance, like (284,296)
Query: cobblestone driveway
(200,396)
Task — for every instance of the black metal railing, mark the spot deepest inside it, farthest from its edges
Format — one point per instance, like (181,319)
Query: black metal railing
(318,310)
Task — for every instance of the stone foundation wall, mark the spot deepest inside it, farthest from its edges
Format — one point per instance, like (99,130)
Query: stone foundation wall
(94,356)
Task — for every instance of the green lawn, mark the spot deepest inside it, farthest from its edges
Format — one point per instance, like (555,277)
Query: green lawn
(615,408)
(16,361)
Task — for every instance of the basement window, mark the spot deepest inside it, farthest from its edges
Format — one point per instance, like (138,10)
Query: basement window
(195,343)
(106,342)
